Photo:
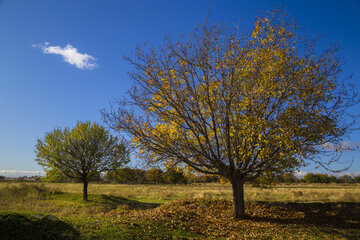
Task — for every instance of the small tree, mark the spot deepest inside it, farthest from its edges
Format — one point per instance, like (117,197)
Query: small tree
(236,106)
(82,152)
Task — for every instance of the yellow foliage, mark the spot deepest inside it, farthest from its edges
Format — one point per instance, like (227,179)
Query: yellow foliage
(252,104)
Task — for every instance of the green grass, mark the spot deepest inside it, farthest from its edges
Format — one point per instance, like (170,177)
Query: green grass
(196,211)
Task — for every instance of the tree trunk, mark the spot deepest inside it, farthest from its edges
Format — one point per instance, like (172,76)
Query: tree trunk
(238,198)
(85,193)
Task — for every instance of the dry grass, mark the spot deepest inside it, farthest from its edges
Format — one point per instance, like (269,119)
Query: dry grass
(306,193)
(164,193)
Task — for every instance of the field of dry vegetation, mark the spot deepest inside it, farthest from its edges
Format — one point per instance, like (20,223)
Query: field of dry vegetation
(194,211)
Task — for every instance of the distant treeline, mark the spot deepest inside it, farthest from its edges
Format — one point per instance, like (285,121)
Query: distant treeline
(129,175)
(315,178)
(155,176)
(325,178)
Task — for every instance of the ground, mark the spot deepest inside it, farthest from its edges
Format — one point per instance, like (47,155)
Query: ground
(195,211)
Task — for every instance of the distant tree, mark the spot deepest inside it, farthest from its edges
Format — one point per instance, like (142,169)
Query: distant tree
(175,175)
(122,175)
(139,175)
(311,178)
(126,175)
(287,178)
(82,152)
(154,175)
(319,178)
(108,177)
(204,178)
(237,106)
(2,178)
(332,179)
(356,179)
(345,179)
(323,178)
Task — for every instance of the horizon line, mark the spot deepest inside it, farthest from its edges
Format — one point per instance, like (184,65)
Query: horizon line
(298,174)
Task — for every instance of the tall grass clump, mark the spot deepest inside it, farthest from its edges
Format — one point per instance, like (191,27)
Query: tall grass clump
(26,197)
(26,191)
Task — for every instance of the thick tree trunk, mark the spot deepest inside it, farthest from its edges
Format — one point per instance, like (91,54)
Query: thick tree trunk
(238,198)
(85,193)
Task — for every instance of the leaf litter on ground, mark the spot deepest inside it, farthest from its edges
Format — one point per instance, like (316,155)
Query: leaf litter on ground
(212,218)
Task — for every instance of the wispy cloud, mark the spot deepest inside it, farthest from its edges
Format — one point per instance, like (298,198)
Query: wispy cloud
(301,174)
(21,173)
(70,55)
(353,174)
(344,146)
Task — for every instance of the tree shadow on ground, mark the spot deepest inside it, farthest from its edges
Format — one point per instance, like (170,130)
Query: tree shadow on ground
(334,219)
(338,215)
(116,201)
(108,201)
(266,220)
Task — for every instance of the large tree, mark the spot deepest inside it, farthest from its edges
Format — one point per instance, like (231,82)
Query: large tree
(82,152)
(238,106)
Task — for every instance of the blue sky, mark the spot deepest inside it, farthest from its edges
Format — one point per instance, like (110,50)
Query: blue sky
(40,89)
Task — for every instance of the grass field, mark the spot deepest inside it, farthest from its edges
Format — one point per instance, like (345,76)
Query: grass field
(194,211)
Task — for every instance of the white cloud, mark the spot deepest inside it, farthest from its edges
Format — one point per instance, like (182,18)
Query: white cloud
(70,55)
(300,174)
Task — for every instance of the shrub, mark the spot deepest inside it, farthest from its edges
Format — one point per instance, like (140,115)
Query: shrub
(21,226)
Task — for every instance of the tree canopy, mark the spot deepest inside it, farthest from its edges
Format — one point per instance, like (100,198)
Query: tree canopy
(238,106)
(82,152)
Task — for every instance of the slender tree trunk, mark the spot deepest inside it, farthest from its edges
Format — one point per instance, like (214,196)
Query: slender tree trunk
(85,193)
(238,198)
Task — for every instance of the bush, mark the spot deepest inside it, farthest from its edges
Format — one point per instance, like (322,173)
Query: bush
(21,226)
